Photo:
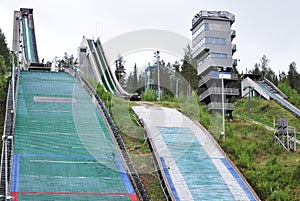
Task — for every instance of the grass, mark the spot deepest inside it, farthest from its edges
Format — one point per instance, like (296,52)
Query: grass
(265,112)
(273,173)
(137,147)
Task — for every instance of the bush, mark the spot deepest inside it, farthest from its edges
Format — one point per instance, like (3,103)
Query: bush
(105,96)
(149,95)
(292,94)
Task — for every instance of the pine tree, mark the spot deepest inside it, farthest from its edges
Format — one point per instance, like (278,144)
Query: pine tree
(3,78)
(130,87)
(189,71)
(141,83)
(293,77)
(67,61)
(5,64)
(135,77)
(4,51)
(262,68)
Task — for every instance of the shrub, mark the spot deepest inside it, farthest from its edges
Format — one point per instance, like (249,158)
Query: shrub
(149,95)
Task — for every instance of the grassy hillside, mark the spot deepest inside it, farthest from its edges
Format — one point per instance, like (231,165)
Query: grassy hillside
(265,112)
(137,147)
(273,173)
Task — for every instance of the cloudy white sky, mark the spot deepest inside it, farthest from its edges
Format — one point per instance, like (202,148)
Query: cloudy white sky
(268,27)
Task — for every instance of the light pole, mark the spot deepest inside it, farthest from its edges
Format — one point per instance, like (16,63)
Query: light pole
(156,55)
(223,104)
(249,96)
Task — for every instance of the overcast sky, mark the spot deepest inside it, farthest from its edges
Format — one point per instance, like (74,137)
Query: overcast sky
(269,27)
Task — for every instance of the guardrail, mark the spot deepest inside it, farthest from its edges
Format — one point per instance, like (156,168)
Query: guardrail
(7,137)
(218,90)
(218,106)
(209,76)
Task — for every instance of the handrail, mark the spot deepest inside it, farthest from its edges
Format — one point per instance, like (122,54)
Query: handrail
(275,88)
(207,77)
(218,105)
(4,144)
(218,90)
(10,113)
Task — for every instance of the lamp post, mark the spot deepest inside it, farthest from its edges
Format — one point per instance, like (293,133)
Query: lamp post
(156,55)
(223,104)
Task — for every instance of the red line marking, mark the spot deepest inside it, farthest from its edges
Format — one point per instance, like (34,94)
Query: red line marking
(15,195)
(133,197)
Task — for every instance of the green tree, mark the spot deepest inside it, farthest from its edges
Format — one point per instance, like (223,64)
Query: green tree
(292,94)
(167,79)
(133,83)
(141,83)
(293,77)
(67,61)
(135,76)
(129,86)
(189,72)
(255,70)
(4,51)
(4,75)
(263,68)
(264,64)
(5,63)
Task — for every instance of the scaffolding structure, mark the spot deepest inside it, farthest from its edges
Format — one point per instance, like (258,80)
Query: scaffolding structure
(285,135)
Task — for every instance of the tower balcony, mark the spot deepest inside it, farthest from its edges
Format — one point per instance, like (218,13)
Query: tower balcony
(233,34)
(234,62)
(218,90)
(217,75)
(233,48)
(218,106)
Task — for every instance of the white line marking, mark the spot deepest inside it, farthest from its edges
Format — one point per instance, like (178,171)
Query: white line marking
(71,162)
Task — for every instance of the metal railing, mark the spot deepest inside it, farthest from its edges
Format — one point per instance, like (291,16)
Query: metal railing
(269,83)
(210,76)
(218,106)
(8,134)
(218,90)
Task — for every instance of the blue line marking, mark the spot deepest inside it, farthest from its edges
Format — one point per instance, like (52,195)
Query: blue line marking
(169,179)
(238,179)
(124,176)
(15,173)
